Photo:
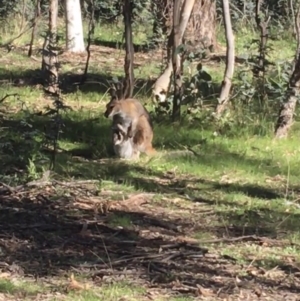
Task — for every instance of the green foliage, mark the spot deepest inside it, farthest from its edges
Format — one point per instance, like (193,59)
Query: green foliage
(106,11)
(21,144)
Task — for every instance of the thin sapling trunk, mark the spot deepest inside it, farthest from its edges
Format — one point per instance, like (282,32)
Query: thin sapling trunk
(129,57)
(89,40)
(262,22)
(49,61)
(230,58)
(34,25)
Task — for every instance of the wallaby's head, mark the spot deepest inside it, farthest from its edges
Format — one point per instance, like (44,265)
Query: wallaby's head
(160,96)
(112,108)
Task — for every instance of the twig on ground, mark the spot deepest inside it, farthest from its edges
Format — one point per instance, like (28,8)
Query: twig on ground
(8,95)
(232,239)
(9,188)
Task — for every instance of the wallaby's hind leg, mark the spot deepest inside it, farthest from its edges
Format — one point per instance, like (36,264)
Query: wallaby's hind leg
(149,150)
(144,143)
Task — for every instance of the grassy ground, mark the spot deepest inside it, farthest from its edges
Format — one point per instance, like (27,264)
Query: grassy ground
(214,216)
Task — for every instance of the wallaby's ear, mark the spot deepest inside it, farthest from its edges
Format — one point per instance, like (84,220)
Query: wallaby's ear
(119,90)
(116,91)
(113,93)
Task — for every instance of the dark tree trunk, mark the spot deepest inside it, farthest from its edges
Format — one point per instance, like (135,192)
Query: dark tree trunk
(262,22)
(287,110)
(129,57)
(176,61)
(182,13)
(49,61)
(35,21)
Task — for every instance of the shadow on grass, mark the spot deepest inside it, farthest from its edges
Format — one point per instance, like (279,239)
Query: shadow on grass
(48,234)
(45,232)
(119,45)
(89,138)
(70,82)
(239,220)
(94,134)
(94,83)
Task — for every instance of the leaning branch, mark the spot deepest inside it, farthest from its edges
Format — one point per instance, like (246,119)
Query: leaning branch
(287,110)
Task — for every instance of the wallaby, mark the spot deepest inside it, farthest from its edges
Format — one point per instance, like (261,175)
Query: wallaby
(128,111)
(131,121)
(161,87)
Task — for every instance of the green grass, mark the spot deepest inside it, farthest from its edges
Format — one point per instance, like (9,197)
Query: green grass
(231,168)
(111,292)
(20,288)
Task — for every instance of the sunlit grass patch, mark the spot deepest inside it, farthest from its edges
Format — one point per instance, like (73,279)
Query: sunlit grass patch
(20,288)
(112,292)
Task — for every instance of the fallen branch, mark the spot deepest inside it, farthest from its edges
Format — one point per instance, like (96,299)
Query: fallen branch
(8,95)
(17,37)
(42,182)
(9,188)
(46,182)
(233,239)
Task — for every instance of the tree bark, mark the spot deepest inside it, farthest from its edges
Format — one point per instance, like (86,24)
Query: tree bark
(176,61)
(181,15)
(161,10)
(49,61)
(201,30)
(230,58)
(287,110)
(129,57)
(74,30)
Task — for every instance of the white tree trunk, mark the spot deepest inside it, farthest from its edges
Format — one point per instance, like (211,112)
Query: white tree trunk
(74,31)
(185,15)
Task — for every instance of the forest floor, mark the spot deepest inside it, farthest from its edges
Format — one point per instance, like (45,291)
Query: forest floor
(214,216)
